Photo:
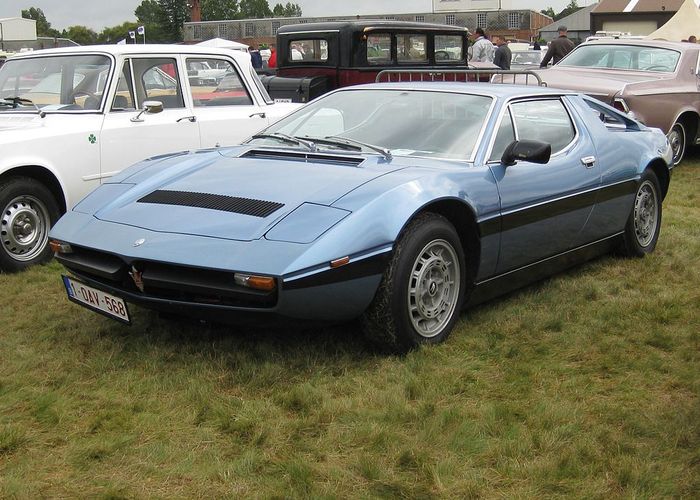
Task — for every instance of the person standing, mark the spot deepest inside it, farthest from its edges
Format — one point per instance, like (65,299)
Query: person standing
(255,58)
(482,50)
(501,57)
(272,61)
(558,48)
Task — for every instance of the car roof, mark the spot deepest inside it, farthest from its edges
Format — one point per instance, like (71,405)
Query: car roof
(662,44)
(137,49)
(368,24)
(504,90)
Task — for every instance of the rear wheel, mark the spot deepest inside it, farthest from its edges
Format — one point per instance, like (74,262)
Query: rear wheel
(677,139)
(644,223)
(421,293)
(28,212)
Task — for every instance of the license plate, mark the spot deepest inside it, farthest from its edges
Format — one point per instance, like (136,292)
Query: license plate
(97,300)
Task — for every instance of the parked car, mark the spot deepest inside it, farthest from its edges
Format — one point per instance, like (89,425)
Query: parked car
(526,58)
(341,210)
(317,57)
(657,81)
(71,118)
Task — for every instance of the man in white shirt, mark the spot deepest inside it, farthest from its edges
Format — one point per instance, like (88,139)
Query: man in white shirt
(482,50)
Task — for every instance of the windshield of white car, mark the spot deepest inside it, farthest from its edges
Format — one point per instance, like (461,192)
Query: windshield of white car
(390,122)
(625,57)
(57,83)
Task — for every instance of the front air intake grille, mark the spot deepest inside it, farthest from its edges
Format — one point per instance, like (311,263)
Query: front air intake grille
(245,206)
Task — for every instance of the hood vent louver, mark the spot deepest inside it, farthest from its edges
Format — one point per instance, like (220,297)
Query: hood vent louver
(235,204)
(347,161)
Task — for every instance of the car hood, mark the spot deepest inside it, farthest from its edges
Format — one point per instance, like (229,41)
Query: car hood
(601,83)
(234,194)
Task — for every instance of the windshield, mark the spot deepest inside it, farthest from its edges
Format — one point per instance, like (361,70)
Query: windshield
(529,57)
(630,57)
(419,123)
(66,83)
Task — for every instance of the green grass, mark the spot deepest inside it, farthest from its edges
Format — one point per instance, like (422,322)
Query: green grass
(586,385)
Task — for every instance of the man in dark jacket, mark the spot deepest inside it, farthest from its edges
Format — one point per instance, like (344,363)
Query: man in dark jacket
(502,56)
(558,48)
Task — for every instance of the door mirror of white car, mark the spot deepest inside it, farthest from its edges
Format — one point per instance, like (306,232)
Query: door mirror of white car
(150,107)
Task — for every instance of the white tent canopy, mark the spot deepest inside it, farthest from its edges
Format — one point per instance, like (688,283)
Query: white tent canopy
(684,23)
(224,44)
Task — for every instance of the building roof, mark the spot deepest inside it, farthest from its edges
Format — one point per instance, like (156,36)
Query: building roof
(637,6)
(578,21)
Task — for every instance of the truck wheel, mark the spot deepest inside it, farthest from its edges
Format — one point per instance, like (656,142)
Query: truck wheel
(28,212)
(421,293)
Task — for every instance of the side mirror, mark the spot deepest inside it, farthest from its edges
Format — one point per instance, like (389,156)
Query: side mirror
(150,107)
(532,151)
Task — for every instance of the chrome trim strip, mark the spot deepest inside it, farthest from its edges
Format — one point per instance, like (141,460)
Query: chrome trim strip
(304,273)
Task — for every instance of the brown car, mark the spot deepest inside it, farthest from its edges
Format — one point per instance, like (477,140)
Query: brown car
(657,81)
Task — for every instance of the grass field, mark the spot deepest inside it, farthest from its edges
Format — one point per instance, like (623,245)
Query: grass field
(586,385)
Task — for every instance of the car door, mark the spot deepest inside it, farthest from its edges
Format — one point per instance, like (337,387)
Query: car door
(544,207)
(226,109)
(127,137)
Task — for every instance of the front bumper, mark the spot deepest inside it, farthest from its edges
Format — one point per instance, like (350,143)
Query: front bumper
(212,294)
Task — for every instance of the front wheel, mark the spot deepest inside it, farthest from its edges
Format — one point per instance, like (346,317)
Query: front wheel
(644,223)
(421,293)
(28,212)
(676,138)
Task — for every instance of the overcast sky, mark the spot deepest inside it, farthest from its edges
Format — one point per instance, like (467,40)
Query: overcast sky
(97,14)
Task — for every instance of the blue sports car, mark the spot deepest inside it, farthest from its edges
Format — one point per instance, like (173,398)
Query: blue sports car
(397,203)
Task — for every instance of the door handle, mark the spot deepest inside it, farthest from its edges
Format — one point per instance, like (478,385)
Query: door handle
(588,161)
(191,119)
(261,114)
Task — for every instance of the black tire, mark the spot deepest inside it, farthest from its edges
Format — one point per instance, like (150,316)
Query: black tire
(677,138)
(28,212)
(423,255)
(644,223)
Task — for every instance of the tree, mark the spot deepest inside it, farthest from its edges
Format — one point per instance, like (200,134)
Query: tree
(43,26)
(149,12)
(114,34)
(173,14)
(568,10)
(252,9)
(81,35)
(549,12)
(288,10)
(214,10)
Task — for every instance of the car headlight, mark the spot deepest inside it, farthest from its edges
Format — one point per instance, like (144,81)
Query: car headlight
(306,223)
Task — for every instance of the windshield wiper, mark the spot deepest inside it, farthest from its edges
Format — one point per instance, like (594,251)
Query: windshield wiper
(287,138)
(16,101)
(386,153)
(334,142)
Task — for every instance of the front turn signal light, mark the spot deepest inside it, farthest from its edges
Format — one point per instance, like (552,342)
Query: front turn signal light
(265,283)
(60,247)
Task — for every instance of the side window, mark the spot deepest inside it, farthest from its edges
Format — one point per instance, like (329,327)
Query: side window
(411,48)
(448,48)
(158,80)
(124,97)
(379,49)
(544,120)
(308,50)
(504,136)
(609,119)
(216,82)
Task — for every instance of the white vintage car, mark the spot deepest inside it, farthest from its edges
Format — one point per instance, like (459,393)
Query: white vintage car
(71,118)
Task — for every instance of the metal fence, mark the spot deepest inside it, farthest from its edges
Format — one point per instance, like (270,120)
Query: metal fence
(460,75)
